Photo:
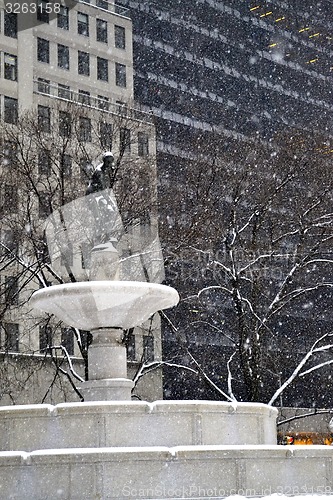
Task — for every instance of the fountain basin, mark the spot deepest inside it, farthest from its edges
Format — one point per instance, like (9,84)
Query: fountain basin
(91,305)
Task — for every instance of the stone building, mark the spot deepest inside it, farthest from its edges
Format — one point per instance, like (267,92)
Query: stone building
(66,95)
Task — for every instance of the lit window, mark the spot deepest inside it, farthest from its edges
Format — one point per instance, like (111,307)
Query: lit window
(63,56)
(82,24)
(10,110)
(10,67)
(43,50)
(101,31)
(10,24)
(44,118)
(102,69)
(143,144)
(119,37)
(63,18)
(120,75)
(84,129)
(83,63)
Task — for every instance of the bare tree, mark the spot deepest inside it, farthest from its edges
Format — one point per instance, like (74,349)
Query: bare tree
(46,159)
(250,251)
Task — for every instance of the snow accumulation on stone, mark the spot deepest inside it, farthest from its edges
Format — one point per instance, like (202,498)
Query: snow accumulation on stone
(278,496)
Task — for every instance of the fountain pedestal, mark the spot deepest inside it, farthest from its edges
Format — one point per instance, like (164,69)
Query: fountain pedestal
(107,368)
(95,306)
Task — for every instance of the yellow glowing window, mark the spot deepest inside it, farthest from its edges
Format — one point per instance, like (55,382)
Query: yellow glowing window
(312,61)
(266,14)
(255,8)
(272,45)
(315,34)
(303,29)
(279,19)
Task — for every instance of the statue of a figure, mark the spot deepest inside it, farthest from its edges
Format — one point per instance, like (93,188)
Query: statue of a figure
(104,256)
(104,176)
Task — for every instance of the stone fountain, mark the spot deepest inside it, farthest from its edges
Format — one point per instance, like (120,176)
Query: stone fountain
(111,447)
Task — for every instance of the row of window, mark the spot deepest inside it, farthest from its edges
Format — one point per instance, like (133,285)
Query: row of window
(10,115)
(85,130)
(10,332)
(83,62)
(102,28)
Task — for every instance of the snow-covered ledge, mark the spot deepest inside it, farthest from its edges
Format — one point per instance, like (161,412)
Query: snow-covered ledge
(135,423)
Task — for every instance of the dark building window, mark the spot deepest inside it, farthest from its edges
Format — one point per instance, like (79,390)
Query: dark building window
(43,50)
(82,24)
(9,153)
(101,31)
(10,110)
(105,131)
(43,9)
(102,4)
(130,345)
(125,140)
(9,243)
(45,339)
(119,37)
(10,198)
(44,205)
(63,18)
(84,129)
(44,162)
(66,254)
(102,69)
(44,118)
(63,56)
(84,97)
(64,91)
(148,348)
(64,124)
(143,144)
(67,340)
(11,331)
(120,75)
(10,24)
(43,86)
(83,63)
(11,290)
(10,72)
(84,169)
(66,165)
(103,102)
